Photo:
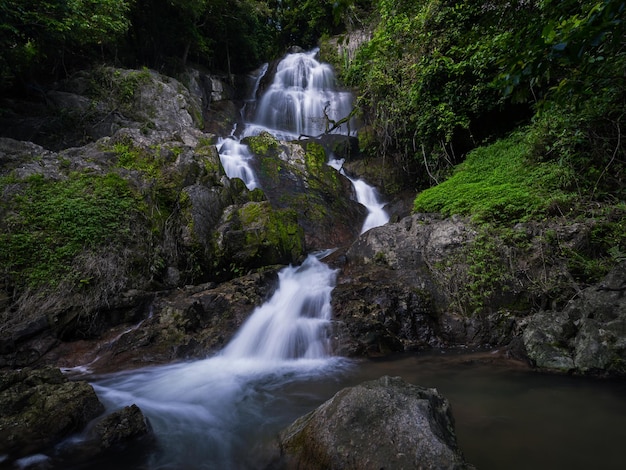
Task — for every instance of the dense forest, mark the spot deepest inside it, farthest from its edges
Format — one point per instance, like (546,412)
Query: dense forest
(509,110)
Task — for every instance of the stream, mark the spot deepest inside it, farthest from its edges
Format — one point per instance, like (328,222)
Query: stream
(223,412)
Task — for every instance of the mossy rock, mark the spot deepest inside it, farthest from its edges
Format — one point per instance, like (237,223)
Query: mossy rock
(263,144)
(295,175)
(40,407)
(256,235)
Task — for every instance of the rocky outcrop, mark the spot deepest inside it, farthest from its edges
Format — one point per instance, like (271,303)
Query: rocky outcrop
(385,423)
(588,336)
(295,175)
(156,179)
(190,322)
(40,407)
(428,281)
(388,296)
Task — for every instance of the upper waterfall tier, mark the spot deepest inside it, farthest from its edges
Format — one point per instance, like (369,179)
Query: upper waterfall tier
(303,99)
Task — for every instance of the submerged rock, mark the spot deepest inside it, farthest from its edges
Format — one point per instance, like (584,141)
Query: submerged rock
(124,435)
(384,423)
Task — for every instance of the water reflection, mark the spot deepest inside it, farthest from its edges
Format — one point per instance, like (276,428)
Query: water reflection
(511,418)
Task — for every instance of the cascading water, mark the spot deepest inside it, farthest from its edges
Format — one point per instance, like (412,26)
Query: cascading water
(294,323)
(303,99)
(366,195)
(207,413)
(234,155)
(235,158)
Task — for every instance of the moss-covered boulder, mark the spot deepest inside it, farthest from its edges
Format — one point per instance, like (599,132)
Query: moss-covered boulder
(255,235)
(295,175)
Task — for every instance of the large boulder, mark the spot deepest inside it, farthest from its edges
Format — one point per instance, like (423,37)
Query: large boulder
(255,235)
(385,423)
(295,175)
(388,297)
(588,336)
(40,407)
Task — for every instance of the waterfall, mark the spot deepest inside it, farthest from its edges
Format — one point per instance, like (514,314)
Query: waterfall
(206,413)
(234,155)
(366,195)
(235,158)
(294,323)
(303,99)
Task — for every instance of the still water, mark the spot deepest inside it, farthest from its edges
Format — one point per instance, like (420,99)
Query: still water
(507,417)
(513,418)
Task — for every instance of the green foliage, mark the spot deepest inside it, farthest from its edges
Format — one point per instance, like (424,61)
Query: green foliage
(566,47)
(499,183)
(304,22)
(50,222)
(425,78)
(229,35)
(605,247)
(34,34)
(569,59)
(487,272)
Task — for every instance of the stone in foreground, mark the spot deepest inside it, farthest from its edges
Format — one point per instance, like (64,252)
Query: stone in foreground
(385,423)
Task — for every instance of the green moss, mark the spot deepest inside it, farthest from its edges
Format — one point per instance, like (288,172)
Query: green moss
(118,85)
(260,236)
(497,183)
(263,144)
(50,222)
(314,157)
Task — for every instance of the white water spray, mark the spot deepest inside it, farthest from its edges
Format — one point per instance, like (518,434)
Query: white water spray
(366,195)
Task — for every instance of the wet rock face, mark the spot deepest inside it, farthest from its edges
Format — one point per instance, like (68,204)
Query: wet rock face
(380,312)
(186,323)
(387,298)
(588,336)
(40,407)
(295,176)
(385,423)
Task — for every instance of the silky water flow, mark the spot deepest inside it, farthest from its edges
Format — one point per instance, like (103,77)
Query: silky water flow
(216,413)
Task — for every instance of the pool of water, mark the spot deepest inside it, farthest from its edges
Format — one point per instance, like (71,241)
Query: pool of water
(507,416)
